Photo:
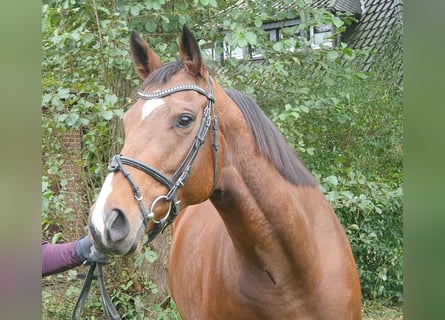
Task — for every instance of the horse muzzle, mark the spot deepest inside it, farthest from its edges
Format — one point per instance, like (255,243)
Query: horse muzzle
(114,235)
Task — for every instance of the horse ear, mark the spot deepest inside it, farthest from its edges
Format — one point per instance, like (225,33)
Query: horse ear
(144,59)
(190,54)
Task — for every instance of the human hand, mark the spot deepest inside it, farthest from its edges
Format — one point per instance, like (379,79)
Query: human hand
(86,251)
(96,256)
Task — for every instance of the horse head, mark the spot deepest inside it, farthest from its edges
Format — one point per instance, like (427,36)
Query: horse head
(169,159)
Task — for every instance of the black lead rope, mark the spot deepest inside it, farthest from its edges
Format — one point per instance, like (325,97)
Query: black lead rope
(109,310)
(173,185)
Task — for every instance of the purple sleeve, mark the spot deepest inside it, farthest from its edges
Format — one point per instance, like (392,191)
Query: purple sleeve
(58,257)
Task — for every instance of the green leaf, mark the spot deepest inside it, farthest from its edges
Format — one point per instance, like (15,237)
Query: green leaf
(251,38)
(71,119)
(61,117)
(354,227)
(63,182)
(46,99)
(127,285)
(337,21)
(104,10)
(63,93)
(107,114)
(278,46)
(150,256)
(304,109)
(110,99)
(45,186)
(332,196)
(242,42)
(184,19)
(258,22)
(348,194)
(151,26)
(157,6)
(332,180)
(332,55)
(119,113)
(361,75)
(135,10)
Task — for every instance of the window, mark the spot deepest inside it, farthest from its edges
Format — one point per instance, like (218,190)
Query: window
(220,51)
(315,38)
(321,36)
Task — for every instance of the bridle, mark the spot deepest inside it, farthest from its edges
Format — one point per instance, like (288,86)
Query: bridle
(178,179)
(173,184)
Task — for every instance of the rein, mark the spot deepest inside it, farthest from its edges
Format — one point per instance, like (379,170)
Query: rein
(178,179)
(173,184)
(107,305)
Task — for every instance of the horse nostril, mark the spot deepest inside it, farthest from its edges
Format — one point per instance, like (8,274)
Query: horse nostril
(117,226)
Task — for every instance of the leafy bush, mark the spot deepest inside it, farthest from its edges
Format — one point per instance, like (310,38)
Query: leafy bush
(346,124)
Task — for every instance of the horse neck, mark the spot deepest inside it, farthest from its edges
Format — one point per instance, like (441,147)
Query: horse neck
(263,212)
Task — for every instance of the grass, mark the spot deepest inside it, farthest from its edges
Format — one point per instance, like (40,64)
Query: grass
(373,310)
(60,293)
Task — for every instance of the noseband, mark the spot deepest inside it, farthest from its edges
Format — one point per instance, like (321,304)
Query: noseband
(178,179)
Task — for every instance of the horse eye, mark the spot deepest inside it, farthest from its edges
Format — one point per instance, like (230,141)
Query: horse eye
(185,120)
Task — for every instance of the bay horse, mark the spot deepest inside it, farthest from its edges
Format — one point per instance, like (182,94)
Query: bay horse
(255,238)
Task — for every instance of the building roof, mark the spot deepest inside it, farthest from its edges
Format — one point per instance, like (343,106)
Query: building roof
(375,23)
(376,18)
(352,6)
(379,22)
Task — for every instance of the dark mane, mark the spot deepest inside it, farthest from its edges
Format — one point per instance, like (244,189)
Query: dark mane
(271,142)
(164,74)
(268,138)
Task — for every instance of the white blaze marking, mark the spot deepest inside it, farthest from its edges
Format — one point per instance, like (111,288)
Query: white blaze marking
(98,216)
(150,106)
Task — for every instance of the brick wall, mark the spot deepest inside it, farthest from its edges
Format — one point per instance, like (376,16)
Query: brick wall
(72,171)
